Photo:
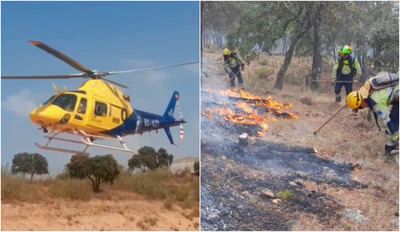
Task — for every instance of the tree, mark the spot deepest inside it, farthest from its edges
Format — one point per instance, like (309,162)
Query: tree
(218,19)
(196,168)
(148,158)
(165,159)
(29,163)
(98,169)
(317,58)
(136,163)
(304,14)
(78,165)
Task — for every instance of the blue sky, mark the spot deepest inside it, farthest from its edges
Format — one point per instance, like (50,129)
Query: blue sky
(104,36)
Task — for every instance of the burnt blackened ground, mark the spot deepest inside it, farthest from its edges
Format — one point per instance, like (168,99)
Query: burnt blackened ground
(286,160)
(234,177)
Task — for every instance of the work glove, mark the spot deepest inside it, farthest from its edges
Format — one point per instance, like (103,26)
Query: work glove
(395,138)
(228,70)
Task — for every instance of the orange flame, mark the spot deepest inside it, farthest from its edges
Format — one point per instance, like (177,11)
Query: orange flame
(250,116)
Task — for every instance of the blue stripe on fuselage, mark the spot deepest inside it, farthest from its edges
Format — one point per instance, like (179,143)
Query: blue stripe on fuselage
(147,122)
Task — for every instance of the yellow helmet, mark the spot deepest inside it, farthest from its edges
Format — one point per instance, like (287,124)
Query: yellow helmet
(354,100)
(227,52)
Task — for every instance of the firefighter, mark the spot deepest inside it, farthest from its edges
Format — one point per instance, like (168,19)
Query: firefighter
(345,69)
(381,95)
(232,65)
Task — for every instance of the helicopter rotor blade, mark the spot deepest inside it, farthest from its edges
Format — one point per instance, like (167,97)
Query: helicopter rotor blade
(115,83)
(62,57)
(44,77)
(150,68)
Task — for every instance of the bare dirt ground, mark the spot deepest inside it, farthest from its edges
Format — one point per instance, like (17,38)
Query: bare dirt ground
(112,211)
(338,178)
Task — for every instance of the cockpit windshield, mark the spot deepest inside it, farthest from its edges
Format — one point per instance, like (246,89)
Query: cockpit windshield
(65,101)
(48,100)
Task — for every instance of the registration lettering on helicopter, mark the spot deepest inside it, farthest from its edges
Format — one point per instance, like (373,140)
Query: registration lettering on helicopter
(151,123)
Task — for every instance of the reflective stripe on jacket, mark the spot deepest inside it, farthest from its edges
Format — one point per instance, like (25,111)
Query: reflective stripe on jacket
(232,62)
(347,67)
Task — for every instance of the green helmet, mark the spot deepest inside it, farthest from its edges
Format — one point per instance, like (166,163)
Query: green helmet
(346,50)
(339,52)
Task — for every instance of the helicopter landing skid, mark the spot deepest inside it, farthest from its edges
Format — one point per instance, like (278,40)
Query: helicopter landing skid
(87,140)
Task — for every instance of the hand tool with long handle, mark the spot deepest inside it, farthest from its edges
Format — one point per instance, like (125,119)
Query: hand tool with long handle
(341,108)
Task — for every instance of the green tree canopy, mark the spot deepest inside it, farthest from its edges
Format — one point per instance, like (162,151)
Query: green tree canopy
(148,158)
(29,163)
(98,169)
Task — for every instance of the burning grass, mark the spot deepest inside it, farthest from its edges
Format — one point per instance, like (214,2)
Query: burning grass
(246,109)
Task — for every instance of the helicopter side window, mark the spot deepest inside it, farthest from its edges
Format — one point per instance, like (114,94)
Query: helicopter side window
(65,101)
(100,109)
(82,106)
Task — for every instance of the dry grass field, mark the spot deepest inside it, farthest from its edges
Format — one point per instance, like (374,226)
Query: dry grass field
(154,200)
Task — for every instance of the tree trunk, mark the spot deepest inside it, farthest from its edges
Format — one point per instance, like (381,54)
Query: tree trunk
(363,62)
(31,179)
(334,48)
(288,57)
(284,46)
(317,59)
(95,184)
(219,40)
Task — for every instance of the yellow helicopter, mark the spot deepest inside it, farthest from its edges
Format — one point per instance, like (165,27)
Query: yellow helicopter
(98,110)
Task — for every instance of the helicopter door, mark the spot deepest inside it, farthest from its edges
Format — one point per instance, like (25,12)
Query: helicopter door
(99,117)
(81,114)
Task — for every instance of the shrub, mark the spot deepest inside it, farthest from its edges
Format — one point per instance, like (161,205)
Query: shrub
(285,195)
(263,61)
(264,72)
(161,184)
(71,189)
(16,188)
(196,168)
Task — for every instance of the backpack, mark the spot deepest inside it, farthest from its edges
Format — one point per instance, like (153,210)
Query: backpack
(351,65)
(384,80)
(381,81)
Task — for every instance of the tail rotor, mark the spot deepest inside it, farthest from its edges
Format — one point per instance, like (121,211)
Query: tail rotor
(181,128)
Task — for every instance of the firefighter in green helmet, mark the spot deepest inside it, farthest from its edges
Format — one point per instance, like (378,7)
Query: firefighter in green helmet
(345,69)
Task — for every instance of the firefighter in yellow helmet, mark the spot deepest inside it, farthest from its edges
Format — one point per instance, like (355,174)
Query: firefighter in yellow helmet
(232,65)
(345,69)
(381,95)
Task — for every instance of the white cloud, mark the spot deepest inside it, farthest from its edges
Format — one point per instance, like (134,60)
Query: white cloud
(20,103)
